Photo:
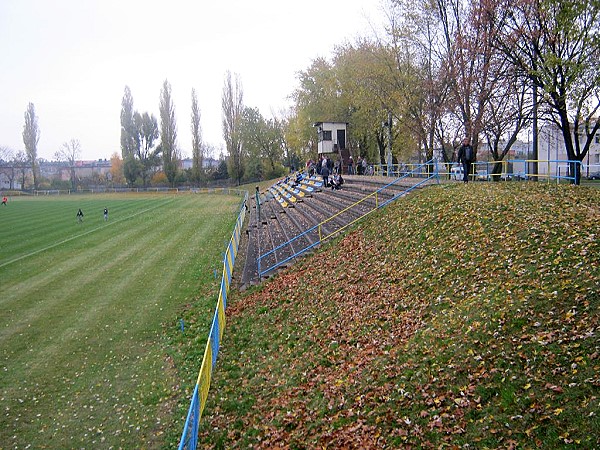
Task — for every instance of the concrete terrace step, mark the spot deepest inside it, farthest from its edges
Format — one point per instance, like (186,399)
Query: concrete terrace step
(291,211)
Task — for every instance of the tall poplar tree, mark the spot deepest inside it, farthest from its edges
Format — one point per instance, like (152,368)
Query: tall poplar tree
(31,137)
(168,127)
(197,155)
(147,133)
(233,108)
(129,135)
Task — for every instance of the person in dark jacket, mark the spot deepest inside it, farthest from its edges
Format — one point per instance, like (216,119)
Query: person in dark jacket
(466,156)
(325,175)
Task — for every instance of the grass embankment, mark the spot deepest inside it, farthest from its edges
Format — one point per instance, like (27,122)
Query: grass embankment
(89,315)
(460,315)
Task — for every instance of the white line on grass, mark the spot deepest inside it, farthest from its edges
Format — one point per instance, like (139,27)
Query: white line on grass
(7,263)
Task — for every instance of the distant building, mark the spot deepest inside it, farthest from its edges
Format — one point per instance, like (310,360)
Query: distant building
(210,163)
(6,184)
(52,169)
(186,164)
(88,169)
(83,169)
(207,163)
(552,153)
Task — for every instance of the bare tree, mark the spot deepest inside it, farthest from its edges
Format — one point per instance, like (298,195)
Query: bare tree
(556,45)
(233,108)
(6,154)
(8,164)
(31,137)
(417,41)
(21,162)
(509,111)
(69,152)
(470,62)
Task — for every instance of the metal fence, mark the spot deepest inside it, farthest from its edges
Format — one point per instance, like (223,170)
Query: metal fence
(516,170)
(156,190)
(189,437)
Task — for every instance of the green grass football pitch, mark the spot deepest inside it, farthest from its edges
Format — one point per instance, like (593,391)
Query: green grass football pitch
(86,310)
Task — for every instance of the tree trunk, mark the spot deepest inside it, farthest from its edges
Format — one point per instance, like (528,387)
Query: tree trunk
(565,126)
(496,171)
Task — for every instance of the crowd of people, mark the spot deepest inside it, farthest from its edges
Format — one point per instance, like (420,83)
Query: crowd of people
(328,169)
(331,171)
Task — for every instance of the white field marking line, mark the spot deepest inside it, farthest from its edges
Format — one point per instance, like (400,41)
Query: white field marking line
(7,263)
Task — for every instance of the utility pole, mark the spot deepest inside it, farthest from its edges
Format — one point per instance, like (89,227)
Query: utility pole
(388,155)
(257,199)
(534,133)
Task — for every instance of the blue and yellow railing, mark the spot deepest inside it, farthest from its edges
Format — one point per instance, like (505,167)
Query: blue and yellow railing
(553,170)
(189,437)
(424,172)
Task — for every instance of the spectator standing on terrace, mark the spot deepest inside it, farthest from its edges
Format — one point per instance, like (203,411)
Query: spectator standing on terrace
(309,164)
(350,166)
(325,174)
(359,166)
(329,164)
(319,165)
(466,156)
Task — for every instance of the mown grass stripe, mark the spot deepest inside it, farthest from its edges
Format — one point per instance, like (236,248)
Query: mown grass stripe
(77,236)
(31,221)
(82,346)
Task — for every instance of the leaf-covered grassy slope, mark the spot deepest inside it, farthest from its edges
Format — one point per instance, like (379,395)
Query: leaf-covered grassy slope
(459,315)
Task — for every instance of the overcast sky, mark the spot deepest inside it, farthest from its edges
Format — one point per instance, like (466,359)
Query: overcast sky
(73,58)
